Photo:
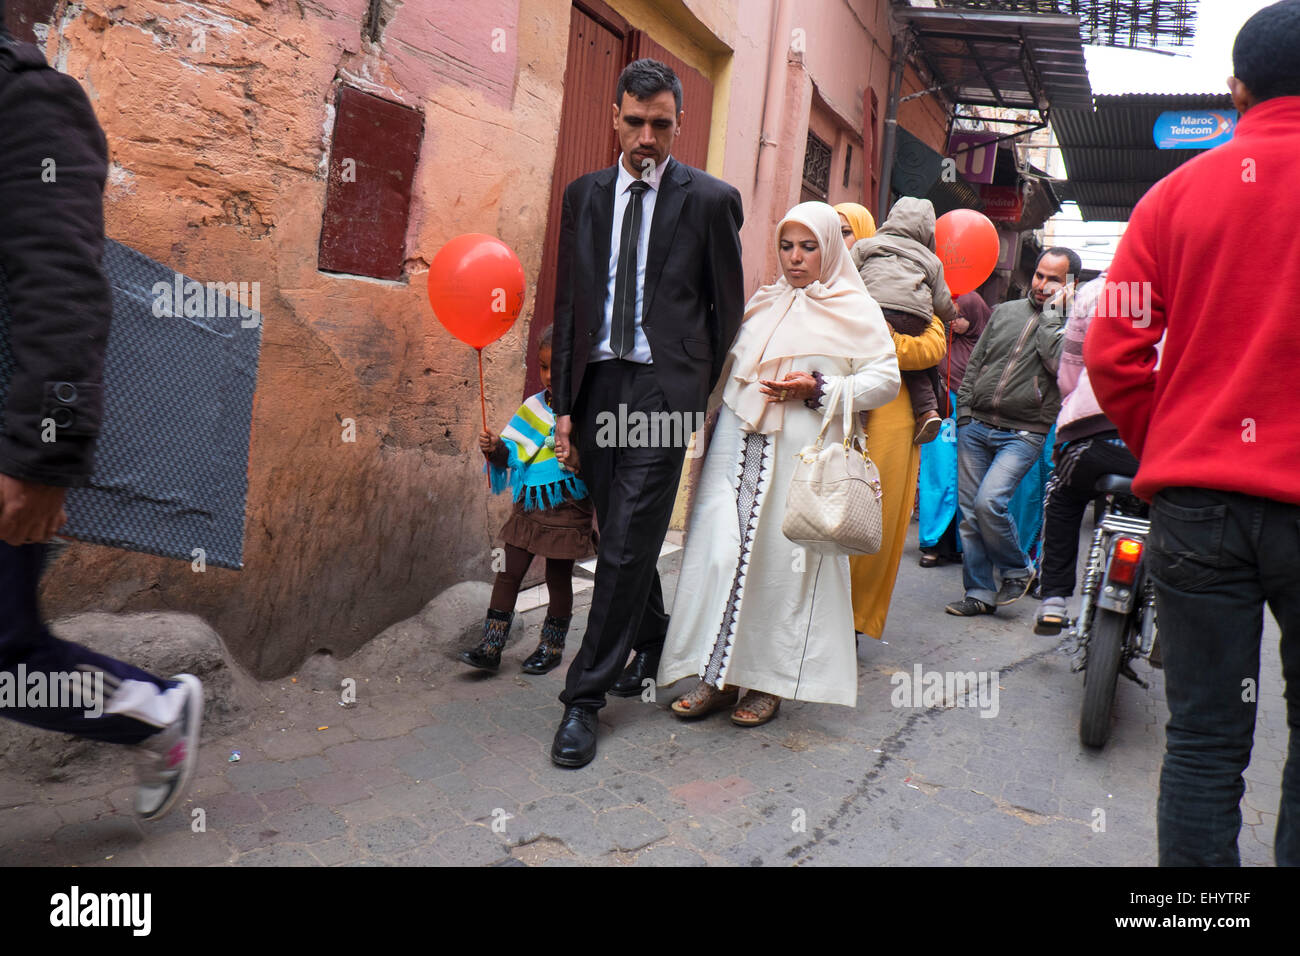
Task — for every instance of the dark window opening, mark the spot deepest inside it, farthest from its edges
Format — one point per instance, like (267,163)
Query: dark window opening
(816,169)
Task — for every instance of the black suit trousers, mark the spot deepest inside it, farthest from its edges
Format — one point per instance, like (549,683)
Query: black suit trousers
(633,489)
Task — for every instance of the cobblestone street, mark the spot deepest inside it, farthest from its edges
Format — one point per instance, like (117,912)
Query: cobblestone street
(459,773)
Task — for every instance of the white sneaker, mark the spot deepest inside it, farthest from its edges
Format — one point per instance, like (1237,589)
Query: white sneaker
(169,757)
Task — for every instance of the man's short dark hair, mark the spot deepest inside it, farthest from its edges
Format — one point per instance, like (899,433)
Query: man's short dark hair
(1266,53)
(1076,264)
(646,78)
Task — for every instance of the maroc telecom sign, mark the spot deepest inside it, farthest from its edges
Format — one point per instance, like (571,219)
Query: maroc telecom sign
(1194,129)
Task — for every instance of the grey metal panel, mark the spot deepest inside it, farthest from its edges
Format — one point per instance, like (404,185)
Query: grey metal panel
(916,165)
(171,462)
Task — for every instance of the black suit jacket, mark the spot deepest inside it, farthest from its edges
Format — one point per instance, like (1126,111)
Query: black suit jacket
(694,293)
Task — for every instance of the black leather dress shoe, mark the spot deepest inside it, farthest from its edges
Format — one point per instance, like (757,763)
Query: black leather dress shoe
(575,741)
(632,683)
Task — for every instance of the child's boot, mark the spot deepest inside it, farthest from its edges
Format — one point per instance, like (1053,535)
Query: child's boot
(496,628)
(927,427)
(551,649)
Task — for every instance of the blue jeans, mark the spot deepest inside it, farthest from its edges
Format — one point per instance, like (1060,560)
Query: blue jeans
(1216,558)
(990,463)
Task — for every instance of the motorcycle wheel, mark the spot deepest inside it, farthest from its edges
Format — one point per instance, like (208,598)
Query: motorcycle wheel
(1105,648)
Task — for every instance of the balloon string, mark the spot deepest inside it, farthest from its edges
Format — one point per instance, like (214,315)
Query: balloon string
(482,401)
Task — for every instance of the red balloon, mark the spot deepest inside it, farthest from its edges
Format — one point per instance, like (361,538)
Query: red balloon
(967,243)
(476,288)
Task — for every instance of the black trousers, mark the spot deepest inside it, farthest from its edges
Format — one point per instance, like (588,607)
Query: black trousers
(1217,558)
(633,488)
(1072,488)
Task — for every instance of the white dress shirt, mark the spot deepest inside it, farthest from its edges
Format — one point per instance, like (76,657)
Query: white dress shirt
(601,350)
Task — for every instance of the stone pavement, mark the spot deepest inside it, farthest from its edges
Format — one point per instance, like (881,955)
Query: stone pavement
(458,772)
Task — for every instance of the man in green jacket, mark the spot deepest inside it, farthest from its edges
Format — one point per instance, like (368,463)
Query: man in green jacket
(1005,408)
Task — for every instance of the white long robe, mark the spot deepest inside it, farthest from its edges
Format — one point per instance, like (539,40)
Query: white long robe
(791,633)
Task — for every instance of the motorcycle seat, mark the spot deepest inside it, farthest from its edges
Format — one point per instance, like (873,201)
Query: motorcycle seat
(1115,485)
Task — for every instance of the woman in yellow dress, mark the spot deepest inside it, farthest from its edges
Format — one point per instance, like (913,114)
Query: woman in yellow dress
(889,430)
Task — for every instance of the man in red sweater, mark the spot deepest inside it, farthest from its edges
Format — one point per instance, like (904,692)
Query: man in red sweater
(1211,262)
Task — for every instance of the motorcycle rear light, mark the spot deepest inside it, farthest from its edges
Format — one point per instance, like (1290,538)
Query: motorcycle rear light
(1124,563)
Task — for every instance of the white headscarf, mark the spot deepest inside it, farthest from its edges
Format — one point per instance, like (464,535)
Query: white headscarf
(834,316)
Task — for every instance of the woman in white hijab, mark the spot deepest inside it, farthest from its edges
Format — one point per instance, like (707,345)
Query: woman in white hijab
(752,609)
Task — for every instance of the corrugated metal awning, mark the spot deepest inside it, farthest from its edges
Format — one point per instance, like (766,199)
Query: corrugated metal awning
(1110,154)
(1016,61)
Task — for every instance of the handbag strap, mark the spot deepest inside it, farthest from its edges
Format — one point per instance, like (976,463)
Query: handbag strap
(838,395)
(855,432)
(850,420)
(828,413)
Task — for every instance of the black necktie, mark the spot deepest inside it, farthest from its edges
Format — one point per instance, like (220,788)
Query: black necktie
(622,333)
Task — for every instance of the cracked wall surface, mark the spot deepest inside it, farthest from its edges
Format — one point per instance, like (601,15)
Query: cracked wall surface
(218,117)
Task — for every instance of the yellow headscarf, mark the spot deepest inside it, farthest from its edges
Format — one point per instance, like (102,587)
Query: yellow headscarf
(859,217)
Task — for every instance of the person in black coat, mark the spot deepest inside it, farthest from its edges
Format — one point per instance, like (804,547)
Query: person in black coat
(55,160)
(649,296)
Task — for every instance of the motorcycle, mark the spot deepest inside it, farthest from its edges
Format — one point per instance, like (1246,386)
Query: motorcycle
(1117,614)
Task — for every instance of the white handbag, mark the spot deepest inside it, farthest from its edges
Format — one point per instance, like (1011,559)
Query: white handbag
(834,500)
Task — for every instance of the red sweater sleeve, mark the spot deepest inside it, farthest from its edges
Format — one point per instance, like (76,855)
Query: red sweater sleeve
(1120,348)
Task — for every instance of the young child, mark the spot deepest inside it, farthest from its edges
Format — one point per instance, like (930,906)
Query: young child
(552,518)
(905,277)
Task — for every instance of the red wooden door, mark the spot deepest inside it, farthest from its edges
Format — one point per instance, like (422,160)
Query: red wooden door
(871,151)
(692,146)
(597,54)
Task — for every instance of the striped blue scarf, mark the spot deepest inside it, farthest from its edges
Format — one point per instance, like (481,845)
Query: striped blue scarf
(533,473)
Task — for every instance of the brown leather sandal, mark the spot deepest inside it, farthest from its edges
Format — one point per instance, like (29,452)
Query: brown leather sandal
(762,706)
(704,699)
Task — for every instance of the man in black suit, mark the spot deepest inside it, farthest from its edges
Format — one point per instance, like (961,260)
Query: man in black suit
(649,295)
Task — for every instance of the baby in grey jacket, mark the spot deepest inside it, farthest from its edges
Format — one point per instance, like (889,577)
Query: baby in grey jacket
(905,277)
